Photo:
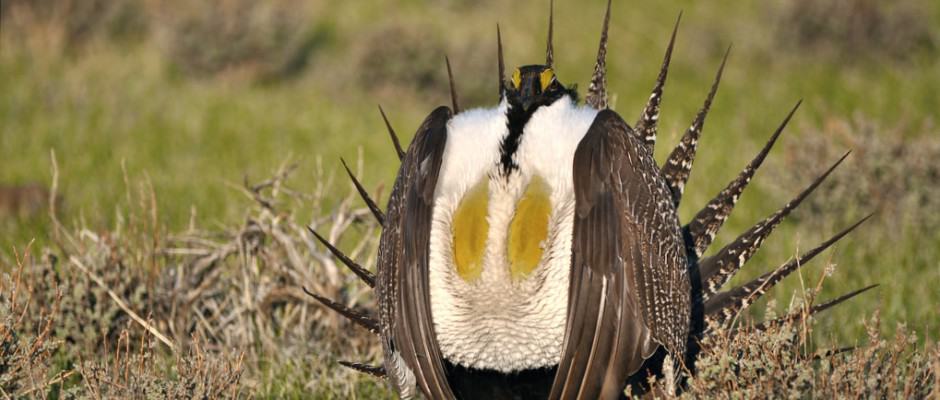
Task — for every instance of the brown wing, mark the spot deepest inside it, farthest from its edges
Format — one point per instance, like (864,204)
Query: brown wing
(412,356)
(629,288)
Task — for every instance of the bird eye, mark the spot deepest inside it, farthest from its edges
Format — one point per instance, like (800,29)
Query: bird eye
(516,78)
(546,78)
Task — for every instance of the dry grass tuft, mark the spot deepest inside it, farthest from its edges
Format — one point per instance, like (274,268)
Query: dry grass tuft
(123,311)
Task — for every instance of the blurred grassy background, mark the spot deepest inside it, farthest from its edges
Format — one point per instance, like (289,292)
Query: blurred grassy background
(189,97)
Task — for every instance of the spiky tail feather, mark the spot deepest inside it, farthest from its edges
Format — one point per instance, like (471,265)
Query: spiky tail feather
(678,166)
(645,126)
(376,371)
(800,315)
(597,92)
(700,232)
(374,208)
(360,271)
(716,270)
(726,304)
(391,133)
(453,86)
(359,317)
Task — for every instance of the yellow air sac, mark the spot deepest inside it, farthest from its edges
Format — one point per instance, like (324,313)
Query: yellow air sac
(529,228)
(470,230)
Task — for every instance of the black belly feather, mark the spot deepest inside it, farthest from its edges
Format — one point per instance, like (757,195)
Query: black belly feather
(472,383)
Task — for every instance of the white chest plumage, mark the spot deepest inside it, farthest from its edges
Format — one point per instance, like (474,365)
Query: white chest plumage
(494,321)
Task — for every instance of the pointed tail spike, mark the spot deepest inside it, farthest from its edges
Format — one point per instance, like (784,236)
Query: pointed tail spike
(357,269)
(828,353)
(726,304)
(800,315)
(678,166)
(376,211)
(502,65)
(702,229)
(549,50)
(391,133)
(597,92)
(453,88)
(376,371)
(355,316)
(646,126)
(716,270)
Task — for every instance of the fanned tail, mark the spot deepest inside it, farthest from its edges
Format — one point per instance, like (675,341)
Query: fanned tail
(645,127)
(678,166)
(700,232)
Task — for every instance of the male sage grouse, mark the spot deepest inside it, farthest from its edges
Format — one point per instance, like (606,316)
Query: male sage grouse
(533,250)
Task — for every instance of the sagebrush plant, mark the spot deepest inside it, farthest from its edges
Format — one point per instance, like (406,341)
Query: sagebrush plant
(27,342)
(126,372)
(892,173)
(779,358)
(859,29)
(256,40)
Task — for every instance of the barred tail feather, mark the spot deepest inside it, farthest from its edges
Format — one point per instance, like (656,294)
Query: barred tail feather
(797,316)
(358,317)
(728,303)
(549,48)
(374,208)
(391,133)
(453,87)
(597,92)
(501,65)
(373,370)
(357,269)
(716,270)
(646,126)
(678,166)
(700,232)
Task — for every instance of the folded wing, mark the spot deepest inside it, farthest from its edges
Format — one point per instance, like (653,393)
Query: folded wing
(629,289)
(413,357)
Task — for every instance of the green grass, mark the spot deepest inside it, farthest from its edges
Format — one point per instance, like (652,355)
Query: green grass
(116,108)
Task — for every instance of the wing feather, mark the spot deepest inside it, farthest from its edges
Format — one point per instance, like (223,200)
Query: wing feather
(412,356)
(629,287)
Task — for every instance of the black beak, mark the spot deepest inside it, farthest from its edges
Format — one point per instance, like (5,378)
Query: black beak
(529,92)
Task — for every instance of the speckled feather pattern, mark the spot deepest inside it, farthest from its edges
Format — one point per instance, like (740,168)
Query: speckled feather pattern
(630,284)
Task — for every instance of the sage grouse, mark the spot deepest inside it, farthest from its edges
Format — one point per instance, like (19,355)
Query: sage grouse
(533,249)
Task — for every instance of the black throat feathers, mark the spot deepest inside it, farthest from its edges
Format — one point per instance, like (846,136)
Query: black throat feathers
(518,116)
(516,119)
